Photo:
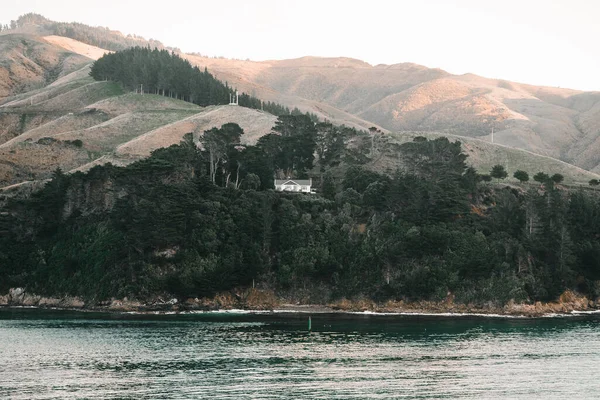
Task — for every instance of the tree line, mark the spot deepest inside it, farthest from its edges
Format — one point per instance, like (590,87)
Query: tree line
(165,73)
(96,36)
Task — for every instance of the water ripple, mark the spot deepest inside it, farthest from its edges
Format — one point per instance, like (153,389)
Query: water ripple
(227,357)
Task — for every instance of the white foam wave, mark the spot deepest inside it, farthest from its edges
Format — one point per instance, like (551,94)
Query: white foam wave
(440,314)
(590,312)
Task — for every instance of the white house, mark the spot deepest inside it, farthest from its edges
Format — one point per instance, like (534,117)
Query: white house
(293,185)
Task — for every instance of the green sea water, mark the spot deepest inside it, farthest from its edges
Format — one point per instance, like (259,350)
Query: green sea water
(66,355)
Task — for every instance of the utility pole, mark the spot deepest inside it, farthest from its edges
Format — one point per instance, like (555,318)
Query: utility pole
(492,133)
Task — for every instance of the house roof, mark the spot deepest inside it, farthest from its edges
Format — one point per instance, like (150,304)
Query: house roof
(299,182)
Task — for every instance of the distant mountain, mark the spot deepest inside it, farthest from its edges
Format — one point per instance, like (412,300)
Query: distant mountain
(560,123)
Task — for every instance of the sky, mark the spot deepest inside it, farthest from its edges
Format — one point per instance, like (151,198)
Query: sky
(541,42)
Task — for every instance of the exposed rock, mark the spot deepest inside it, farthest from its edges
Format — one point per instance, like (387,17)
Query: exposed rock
(258,299)
(124,305)
(49,302)
(167,253)
(115,305)
(16,295)
(193,303)
(4,300)
(72,302)
(30,300)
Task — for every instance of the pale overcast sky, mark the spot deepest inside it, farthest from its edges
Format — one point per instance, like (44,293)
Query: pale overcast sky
(543,42)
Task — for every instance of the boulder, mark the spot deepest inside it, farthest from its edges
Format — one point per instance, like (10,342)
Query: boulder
(4,300)
(16,295)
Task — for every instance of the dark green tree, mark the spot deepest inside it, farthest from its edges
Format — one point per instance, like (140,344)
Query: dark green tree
(541,177)
(557,178)
(292,150)
(522,176)
(329,186)
(217,142)
(329,145)
(498,172)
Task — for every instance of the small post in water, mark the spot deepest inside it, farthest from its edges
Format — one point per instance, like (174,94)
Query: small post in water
(309,324)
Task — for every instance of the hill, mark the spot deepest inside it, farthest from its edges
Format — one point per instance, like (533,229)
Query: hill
(101,37)
(555,122)
(560,123)
(29,62)
(483,155)
(62,102)
(118,129)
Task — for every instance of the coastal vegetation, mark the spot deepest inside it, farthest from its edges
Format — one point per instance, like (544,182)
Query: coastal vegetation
(192,221)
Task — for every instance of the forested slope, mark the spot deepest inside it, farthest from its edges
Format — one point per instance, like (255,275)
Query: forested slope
(188,222)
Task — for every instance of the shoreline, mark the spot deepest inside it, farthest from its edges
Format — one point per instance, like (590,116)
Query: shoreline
(255,301)
(311,309)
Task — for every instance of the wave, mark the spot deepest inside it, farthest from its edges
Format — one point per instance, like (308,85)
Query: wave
(590,312)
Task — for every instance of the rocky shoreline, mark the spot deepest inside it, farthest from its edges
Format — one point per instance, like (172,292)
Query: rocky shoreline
(266,301)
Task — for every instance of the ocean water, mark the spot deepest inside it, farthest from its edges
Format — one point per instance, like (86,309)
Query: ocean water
(67,355)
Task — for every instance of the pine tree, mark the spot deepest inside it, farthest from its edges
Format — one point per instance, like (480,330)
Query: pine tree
(522,176)
(498,172)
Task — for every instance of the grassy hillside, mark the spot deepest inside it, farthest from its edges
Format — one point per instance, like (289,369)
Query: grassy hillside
(254,123)
(560,123)
(67,105)
(101,37)
(483,156)
(29,62)
(118,129)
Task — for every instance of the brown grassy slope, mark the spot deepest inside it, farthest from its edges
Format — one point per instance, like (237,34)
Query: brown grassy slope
(28,112)
(28,161)
(62,85)
(561,123)
(28,62)
(106,137)
(439,105)
(549,121)
(101,126)
(14,124)
(255,124)
(483,155)
(98,113)
(402,97)
(74,46)
(70,122)
(347,84)
(75,107)
(243,76)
